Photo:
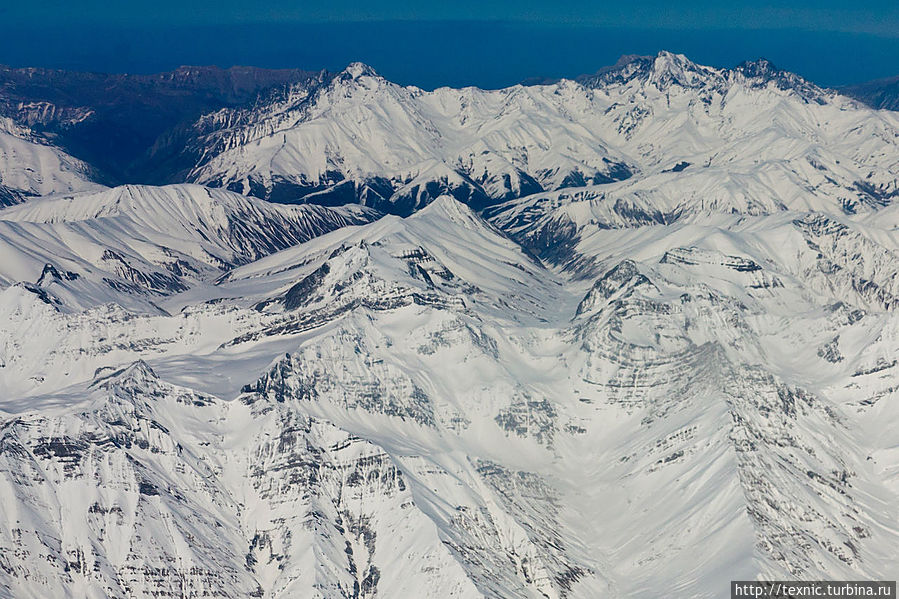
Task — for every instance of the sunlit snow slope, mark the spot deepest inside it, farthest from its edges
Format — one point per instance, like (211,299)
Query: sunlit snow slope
(30,167)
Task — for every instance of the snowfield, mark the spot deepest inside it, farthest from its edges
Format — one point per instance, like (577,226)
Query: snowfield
(672,369)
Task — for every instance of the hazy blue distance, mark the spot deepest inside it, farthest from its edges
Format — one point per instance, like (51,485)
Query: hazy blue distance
(433,53)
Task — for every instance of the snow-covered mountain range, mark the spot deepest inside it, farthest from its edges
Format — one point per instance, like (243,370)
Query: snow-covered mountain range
(632,335)
(362,138)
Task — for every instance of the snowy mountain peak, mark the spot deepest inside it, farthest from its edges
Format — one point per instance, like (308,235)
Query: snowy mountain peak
(758,68)
(762,72)
(138,372)
(626,68)
(672,62)
(356,70)
(676,69)
(31,166)
(446,206)
(668,69)
(662,71)
(143,240)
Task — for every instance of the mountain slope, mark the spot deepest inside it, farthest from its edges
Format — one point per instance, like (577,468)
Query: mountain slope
(141,451)
(751,141)
(31,167)
(881,94)
(147,242)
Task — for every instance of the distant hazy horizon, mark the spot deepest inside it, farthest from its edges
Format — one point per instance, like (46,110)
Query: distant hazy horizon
(430,54)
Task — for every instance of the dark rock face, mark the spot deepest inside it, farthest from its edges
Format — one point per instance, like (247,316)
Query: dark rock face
(677,167)
(695,257)
(762,72)
(298,295)
(10,196)
(623,277)
(881,94)
(51,273)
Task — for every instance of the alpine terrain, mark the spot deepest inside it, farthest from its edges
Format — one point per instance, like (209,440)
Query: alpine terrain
(629,335)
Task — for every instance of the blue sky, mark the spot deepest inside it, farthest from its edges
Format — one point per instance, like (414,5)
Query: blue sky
(453,43)
(864,16)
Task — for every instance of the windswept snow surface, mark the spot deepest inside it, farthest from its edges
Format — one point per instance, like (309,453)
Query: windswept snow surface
(645,388)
